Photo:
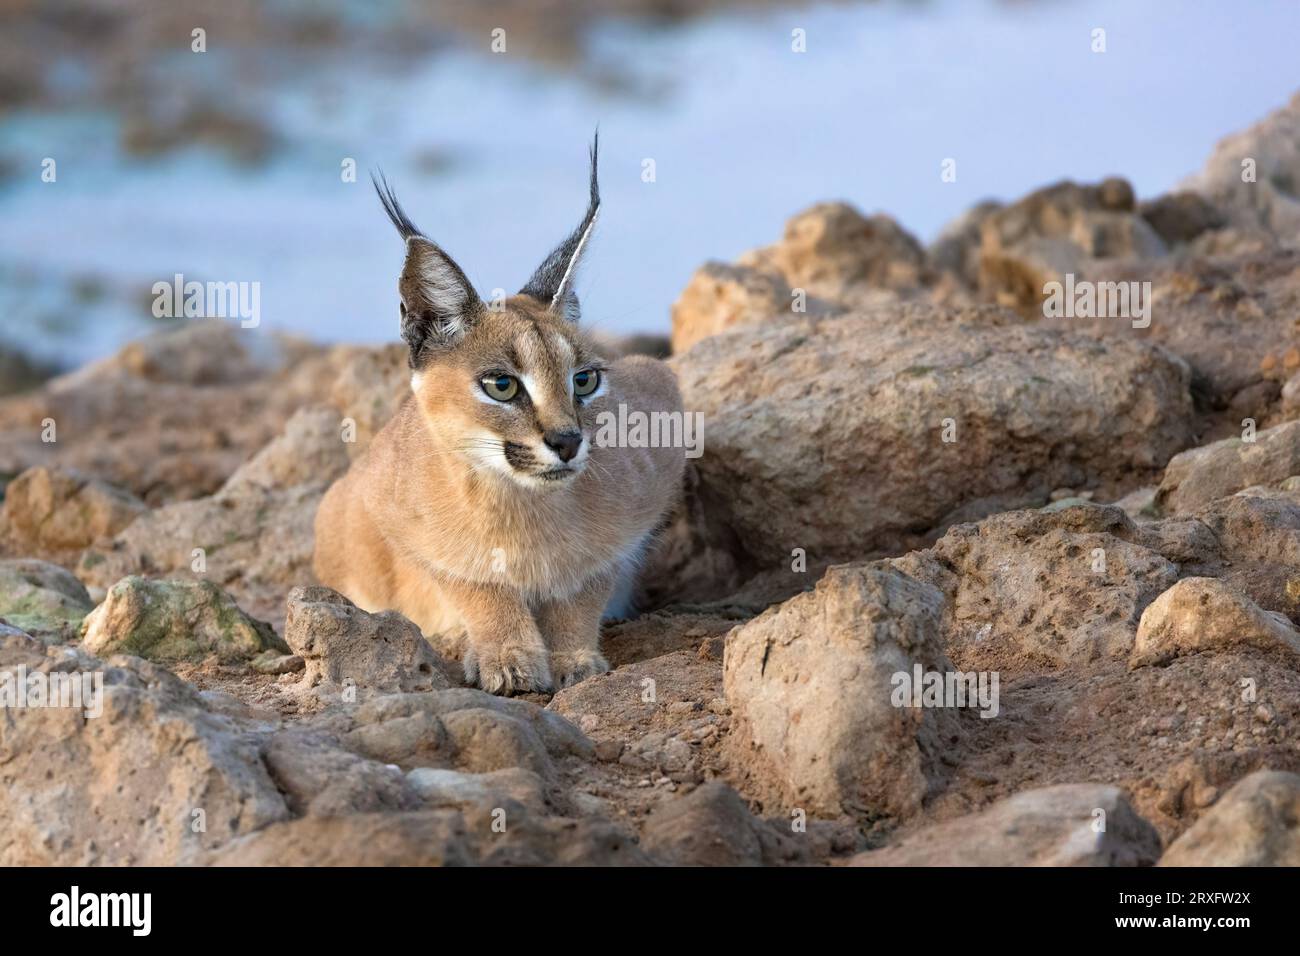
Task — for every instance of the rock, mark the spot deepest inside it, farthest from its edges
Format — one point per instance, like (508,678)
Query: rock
(1198,476)
(416,737)
(485,740)
(175,621)
(434,838)
(204,352)
(710,826)
(1270,152)
(810,684)
(55,512)
(1017,277)
(42,599)
(831,256)
(1229,319)
(720,296)
(273,662)
(464,730)
(320,778)
(956,249)
(854,462)
(498,788)
(1060,587)
(1255,548)
(312,449)
(1179,217)
(1253,824)
(365,386)
(1139,505)
(1291,396)
(170,416)
(1064,825)
(152,782)
(1058,230)
(254,537)
(831,247)
(1205,614)
(342,644)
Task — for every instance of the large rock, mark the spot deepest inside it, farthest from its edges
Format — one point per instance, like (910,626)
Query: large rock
(1065,825)
(1198,476)
(1228,315)
(720,296)
(830,248)
(1065,228)
(342,644)
(810,684)
(1230,318)
(830,258)
(828,434)
(175,621)
(42,599)
(255,536)
(152,778)
(55,513)
(1253,824)
(1205,614)
(1269,198)
(1052,586)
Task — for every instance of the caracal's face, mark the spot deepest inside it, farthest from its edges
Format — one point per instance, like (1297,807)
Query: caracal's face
(512,396)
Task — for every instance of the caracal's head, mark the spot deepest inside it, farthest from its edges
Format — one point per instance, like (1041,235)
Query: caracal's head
(507,385)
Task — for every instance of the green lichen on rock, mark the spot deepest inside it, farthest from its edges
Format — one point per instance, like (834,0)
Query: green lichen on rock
(175,621)
(43,599)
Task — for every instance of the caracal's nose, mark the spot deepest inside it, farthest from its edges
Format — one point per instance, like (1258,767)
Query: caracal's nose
(564,443)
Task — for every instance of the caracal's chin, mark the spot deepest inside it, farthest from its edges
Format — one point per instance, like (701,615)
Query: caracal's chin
(547,480)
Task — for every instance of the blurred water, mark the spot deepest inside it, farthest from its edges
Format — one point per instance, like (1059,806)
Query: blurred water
(488,153)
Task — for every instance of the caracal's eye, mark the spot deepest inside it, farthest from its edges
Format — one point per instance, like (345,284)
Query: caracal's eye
(501,387)
(585,382)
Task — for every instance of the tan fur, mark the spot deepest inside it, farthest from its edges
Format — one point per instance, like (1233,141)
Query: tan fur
(434,522)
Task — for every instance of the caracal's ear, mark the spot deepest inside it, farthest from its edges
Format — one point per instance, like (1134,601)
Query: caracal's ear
(438,303)
(552,283)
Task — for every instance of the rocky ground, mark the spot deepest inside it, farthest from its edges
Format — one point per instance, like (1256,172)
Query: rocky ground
(916,469)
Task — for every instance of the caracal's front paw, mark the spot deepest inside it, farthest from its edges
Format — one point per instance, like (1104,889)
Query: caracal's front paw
(508,668)
(570,667)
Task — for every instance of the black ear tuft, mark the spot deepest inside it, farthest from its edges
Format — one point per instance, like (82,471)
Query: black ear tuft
(552,283)
(396,213)
(438,302)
